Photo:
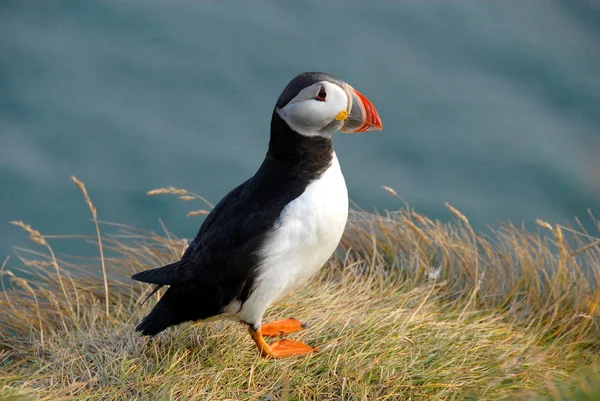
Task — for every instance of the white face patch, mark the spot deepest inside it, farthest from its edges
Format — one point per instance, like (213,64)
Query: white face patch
(310,115)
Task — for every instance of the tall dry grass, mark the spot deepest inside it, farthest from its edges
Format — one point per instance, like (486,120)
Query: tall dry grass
(409,308)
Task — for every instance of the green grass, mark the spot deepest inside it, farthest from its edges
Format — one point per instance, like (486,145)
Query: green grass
(409,308)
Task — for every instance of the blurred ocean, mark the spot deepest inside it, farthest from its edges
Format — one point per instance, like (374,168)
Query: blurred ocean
(491,106)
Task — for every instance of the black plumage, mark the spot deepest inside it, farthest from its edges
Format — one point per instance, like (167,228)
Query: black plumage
(220,264)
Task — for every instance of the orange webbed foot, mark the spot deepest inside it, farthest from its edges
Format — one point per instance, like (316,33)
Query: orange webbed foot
(282,327)
(280,348)
(285,348)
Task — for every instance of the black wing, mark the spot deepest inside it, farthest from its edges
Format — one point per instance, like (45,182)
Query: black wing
(224,250)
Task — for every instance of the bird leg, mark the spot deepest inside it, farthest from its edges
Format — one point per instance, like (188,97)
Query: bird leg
(280,348)
(282,327)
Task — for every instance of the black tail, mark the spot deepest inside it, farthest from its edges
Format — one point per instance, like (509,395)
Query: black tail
(182,303)
(164,275)
(157,320)
(185,300)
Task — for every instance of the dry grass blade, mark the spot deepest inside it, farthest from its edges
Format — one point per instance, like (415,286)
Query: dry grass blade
(390,190)
(544,224)
(197,213)
(595,244)
(165,191)
(181,193)
(92,208)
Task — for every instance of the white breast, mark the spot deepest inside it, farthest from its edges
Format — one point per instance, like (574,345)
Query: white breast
(306,234)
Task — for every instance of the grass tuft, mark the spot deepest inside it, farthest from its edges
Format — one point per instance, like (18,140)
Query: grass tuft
(408,308)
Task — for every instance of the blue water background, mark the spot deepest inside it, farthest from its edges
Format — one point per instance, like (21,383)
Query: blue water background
(491,106)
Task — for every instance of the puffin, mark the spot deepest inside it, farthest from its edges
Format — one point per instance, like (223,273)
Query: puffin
(273,232)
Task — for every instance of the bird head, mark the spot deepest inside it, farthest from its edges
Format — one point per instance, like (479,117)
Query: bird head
(319,104)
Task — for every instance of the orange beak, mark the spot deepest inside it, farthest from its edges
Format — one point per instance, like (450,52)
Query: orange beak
(361,114)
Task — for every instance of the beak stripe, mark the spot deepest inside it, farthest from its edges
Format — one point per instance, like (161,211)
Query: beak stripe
(362,115)
(372,119)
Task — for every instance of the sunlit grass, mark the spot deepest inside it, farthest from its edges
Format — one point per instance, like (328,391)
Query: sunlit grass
(409,308)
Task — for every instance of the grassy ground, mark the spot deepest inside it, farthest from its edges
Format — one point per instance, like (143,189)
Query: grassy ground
(408,309)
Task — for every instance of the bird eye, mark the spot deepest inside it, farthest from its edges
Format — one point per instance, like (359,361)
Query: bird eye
(322,95)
